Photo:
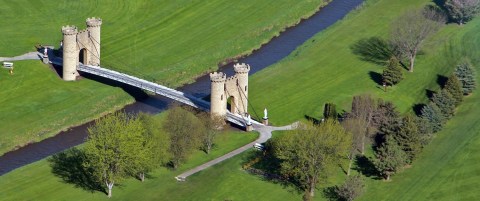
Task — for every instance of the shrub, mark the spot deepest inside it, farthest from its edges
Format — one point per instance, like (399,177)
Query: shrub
(351,189)
(330,111)
(445,102)
(454,87)
(466,76)
(432,114)
(393,73)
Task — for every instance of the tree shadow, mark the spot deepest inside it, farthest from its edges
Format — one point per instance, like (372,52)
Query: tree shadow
(441,80)
(376,77)
(429,93)
(417,108)
(330,193)
(366,167)
(374,49)
(68,166)
(313,119)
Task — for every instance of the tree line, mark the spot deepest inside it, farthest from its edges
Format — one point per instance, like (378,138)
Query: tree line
(121,145)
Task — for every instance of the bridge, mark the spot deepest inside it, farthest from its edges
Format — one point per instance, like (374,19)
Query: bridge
(160,90)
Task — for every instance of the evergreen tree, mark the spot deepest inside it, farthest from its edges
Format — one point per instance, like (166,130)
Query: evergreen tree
(389,158)
(445,102)
(387,119)
(454,87)
(393,73)
(466,75)
(408,138)
(330,111)
(432,114)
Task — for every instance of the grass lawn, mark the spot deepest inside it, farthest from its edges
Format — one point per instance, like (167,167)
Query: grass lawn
(36,103)
(171,41)
(303,82)
(38,183)
(449,167)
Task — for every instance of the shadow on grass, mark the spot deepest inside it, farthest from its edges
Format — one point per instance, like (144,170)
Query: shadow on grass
(68,166)
(330,194)
(417,108)
(366,167)
(429,93)
(376,77)
(441,80)
(374,49)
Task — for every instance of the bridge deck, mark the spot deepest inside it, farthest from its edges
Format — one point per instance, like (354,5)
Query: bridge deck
(159,89)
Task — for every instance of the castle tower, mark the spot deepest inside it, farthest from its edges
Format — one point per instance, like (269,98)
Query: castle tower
(218,99)
(93,28)
(70,53)
(241,72)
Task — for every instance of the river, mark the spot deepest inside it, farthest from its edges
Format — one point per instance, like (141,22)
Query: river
(270,53)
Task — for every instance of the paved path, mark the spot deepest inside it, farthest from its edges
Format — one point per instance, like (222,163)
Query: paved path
(26,56)
(265,134)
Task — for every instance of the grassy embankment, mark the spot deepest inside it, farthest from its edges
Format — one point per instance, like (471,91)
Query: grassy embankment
(160,184)
(171,41)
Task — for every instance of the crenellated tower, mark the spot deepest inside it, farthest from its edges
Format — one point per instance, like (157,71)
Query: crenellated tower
(234,88)
(80,46)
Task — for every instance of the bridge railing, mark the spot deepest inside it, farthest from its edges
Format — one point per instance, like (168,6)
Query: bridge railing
(159,89)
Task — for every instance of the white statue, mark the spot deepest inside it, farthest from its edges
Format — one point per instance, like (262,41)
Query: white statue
(249,120)
(45,52)
(265,114)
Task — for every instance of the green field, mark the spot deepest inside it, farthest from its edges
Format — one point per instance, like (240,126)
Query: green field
(36,103)
(170,41)
(313,75)
(46,186)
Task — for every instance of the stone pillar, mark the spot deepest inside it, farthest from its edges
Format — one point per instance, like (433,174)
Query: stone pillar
(218,99)
(241,72)
(70,53)
(265,121)
(93,28)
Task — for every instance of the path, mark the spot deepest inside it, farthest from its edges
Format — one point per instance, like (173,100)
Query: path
(265,134)
(26,56)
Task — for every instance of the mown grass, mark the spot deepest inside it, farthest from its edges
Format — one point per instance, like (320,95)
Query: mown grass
(37,182)
(36,103)
(170,41)
(325,69)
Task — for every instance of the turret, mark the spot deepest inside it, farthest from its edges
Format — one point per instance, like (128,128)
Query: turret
(241,72)
(70,53)
(218,101)
(93,28)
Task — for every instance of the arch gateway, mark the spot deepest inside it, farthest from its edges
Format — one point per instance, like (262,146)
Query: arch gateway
(80,46)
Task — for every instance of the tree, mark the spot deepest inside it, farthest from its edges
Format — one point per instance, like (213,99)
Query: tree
(310,153)
(454,87)
(387,119)
(408,138)
(351,189)
(154,148)
(466,74)
(363,107)
(330,111)
(393,73)
(389,158)
(109,146)
(433,115)
(355,127)
(185,131)
(462,11)
(410,30)
(445,102)
(213,125)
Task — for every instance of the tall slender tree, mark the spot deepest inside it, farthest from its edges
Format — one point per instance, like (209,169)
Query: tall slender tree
(364,108)
(454,87)
(462,11)
(466,74)
(389,158)
(409,139)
